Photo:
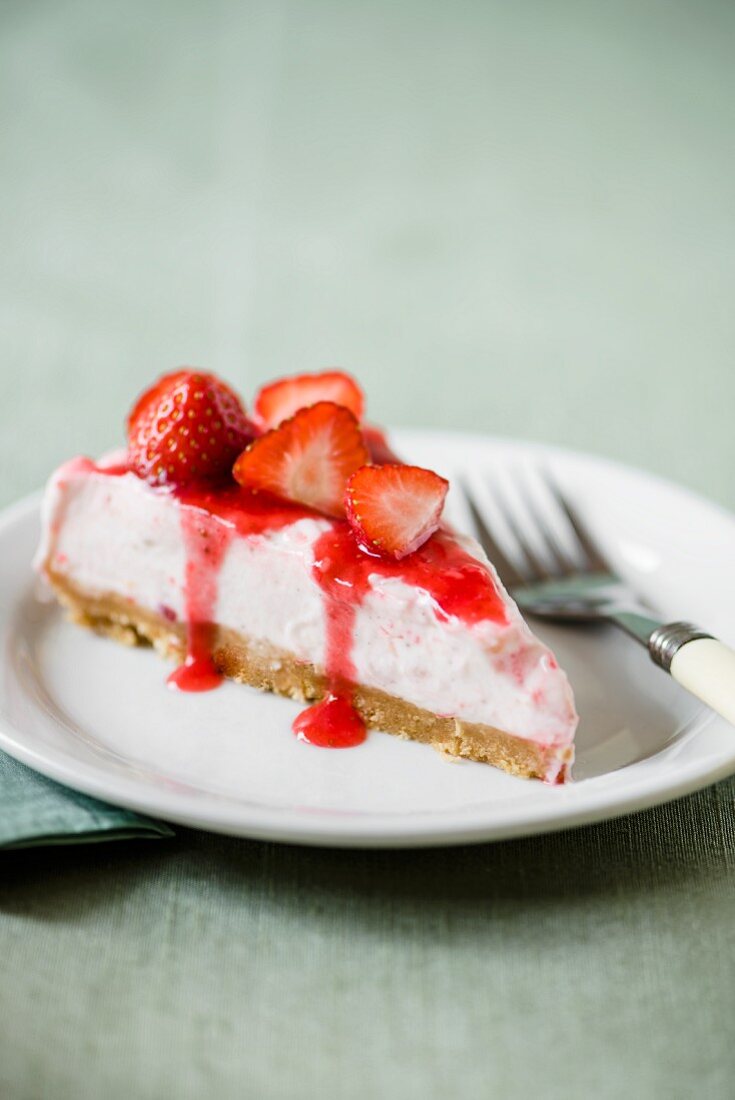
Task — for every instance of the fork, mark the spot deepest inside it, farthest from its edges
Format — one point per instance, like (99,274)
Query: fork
(549,581)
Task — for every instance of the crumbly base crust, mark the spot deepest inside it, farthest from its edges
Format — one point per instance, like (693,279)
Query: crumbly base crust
(252,662)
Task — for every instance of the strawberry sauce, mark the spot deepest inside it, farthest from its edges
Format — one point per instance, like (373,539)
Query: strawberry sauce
(209,522)
(331,724)
(334,722)
(206,541)
(457,583)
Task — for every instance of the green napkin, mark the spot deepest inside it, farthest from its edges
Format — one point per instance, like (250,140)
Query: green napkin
(35,811)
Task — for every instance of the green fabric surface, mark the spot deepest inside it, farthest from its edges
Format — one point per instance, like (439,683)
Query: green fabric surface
(515,218)
(596,963)
(35,811)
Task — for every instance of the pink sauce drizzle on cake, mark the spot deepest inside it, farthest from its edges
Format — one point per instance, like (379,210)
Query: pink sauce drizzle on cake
(210,519)
(332,723)
(206,541)
(458,584)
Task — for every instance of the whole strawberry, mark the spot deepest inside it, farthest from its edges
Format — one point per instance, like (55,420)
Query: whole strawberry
(190,426)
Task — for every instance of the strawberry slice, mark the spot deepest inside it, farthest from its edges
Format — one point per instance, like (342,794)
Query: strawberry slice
(279,400)
(308,459)
(189,426)
(394,509)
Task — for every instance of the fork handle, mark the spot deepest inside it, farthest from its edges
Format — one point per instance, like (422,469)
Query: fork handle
(700,663)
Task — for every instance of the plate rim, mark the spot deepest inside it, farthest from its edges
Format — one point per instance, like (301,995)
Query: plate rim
(390,830)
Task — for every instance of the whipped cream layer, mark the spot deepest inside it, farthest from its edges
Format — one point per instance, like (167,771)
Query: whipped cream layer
(110,532)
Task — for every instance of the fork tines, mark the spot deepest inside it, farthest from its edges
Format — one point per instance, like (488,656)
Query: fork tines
(541,553)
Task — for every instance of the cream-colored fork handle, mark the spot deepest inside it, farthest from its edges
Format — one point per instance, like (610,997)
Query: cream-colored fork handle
(706,667)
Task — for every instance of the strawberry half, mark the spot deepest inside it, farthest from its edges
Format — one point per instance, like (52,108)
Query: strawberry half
(279,400)
(187,427)
(308,459)
(394,509)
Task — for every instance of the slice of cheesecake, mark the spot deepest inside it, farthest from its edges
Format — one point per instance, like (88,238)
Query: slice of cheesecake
(306,580)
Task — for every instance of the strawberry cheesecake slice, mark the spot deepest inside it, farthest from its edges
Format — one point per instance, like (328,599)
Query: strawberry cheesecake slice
(294,552)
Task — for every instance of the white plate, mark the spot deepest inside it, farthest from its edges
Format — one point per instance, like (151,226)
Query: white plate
(98,717)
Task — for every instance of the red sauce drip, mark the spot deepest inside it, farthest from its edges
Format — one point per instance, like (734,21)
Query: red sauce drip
(458,584)
(331,724)
(206,541)
(198,672)
(210,518)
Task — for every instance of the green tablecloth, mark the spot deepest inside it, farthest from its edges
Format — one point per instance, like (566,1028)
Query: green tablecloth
(36,811)
(515,218)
